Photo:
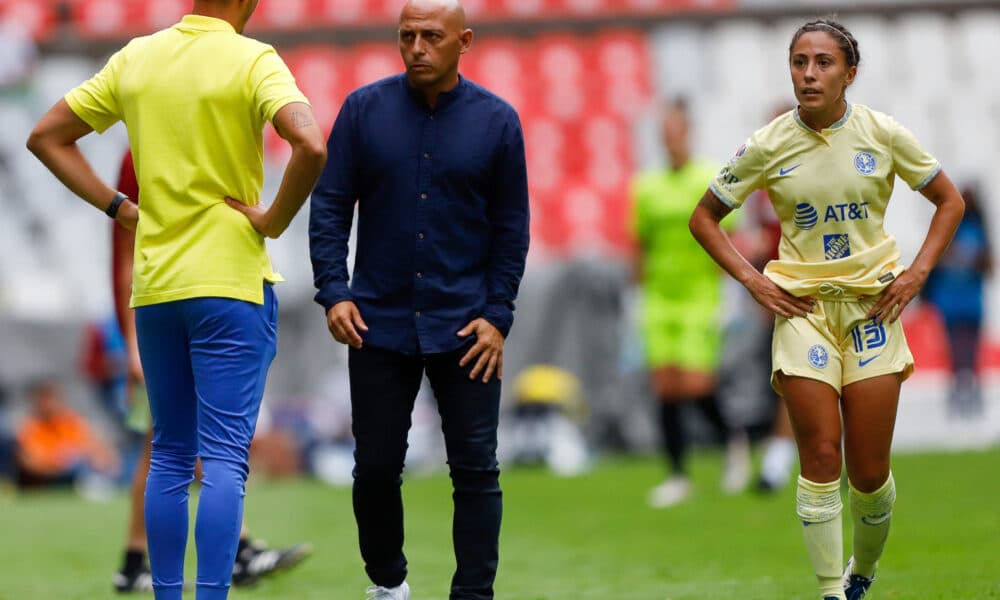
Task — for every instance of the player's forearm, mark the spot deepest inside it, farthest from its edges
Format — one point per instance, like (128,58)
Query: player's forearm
(68,164)
(301,174)
(942,228)
(53,141)
(706,229)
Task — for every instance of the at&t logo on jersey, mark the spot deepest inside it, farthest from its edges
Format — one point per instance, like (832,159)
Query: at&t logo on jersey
(837,245)
(806,216)
(818,356)
(865,163)
(847,211)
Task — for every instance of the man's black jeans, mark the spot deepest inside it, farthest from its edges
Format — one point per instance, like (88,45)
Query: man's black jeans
(384,386)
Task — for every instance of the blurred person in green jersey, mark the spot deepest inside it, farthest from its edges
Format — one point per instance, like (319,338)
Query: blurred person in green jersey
(681,296)
(839,355)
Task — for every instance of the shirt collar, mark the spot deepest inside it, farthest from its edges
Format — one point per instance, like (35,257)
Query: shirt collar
(832,128)
(204,23)
(444,98)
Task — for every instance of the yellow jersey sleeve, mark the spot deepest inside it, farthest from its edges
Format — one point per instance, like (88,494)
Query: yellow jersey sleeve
(744,174)
(910,161)
(273,85)
(96,100)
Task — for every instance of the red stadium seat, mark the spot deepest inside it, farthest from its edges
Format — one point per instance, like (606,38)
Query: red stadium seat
(35,18)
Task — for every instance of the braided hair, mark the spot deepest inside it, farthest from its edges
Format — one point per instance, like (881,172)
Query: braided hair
(845,39)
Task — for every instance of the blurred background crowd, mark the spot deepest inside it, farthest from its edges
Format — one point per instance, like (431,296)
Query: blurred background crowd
(591,80)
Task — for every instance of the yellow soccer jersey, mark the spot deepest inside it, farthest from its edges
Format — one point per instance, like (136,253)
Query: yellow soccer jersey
(830,190)
(195,98)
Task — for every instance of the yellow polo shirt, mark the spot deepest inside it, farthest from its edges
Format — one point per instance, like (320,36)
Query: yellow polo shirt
(195,98)
(830,189)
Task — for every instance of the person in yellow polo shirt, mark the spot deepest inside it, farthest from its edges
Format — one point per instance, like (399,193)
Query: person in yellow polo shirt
(837,289)
(195,98)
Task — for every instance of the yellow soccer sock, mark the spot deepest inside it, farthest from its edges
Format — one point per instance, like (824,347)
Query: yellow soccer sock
(872,515)
(819,507)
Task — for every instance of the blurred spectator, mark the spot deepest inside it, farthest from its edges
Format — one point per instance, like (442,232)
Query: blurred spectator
(543,426)
(749,376)
(956,288)
(681,302)
(6,440)
(55,445)
(104,362)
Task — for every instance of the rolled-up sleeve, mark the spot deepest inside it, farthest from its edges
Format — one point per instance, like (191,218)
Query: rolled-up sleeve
(508,213)
(332,211)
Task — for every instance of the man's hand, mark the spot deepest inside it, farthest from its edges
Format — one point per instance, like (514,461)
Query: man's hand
(257,214)
(488,347)
(344,320)
(128,215)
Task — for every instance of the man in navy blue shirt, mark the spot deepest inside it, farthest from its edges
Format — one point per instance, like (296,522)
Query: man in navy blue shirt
(436,166)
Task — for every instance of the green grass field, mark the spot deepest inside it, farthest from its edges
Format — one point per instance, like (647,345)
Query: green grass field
(563,539)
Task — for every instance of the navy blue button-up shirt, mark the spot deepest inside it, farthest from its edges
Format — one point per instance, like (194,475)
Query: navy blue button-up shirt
(442,201)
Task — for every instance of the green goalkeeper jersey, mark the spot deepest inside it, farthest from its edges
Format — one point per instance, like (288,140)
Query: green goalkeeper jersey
(676,270)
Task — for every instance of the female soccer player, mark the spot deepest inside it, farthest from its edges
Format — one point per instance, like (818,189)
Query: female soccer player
(837,288)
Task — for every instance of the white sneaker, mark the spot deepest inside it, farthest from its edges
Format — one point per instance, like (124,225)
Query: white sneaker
(776,466)
(737,471)
(673,491)
(377,592)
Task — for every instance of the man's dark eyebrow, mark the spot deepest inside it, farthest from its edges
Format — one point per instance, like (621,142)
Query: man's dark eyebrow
(421,31)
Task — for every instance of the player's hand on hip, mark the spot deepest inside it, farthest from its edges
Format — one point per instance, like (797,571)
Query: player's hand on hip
(895,297)
(257,214)
(344,320)
(128,215)
(773,298)
(487,351)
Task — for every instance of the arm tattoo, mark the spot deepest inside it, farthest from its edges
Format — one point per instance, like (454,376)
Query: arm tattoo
(714,206)
(301,120)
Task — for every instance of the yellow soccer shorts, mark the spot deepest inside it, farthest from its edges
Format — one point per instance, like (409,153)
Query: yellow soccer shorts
(838,345)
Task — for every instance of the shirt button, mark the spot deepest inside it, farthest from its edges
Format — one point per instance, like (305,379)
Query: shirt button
(423,196)
(420,275)
(427,154)
(420,236)
(418,313)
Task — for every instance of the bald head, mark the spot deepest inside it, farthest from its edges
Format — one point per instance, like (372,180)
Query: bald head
(432,38)
(450,9)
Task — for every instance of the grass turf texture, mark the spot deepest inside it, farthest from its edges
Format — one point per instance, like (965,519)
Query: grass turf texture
(585,538)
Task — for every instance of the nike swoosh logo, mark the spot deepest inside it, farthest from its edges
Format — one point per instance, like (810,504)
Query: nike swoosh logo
(862,363)
(875,519)
(783,172)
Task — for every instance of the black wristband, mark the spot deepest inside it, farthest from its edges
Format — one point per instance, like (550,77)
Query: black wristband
(112,210)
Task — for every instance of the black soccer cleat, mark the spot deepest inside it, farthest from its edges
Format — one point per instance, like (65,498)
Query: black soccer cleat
(257,560)
(130,583)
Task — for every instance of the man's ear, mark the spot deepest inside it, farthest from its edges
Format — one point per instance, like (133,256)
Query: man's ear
(466,38)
